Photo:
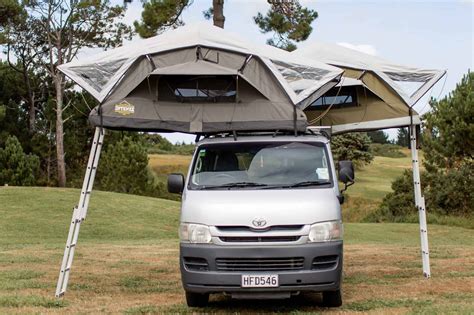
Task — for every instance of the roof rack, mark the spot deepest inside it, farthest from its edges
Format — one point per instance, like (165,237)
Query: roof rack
(324,131)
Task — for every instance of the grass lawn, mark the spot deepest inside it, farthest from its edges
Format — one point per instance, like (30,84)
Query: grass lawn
(127,261)
(372,183)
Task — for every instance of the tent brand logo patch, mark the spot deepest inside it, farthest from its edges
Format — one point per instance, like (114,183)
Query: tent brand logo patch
(124,108)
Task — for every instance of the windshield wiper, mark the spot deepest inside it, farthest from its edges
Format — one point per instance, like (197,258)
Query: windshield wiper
(232,185)
(302,184)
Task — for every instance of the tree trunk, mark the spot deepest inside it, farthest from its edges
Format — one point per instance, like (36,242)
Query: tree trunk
(60,131)
(31,116)
(218,14)
(30,100)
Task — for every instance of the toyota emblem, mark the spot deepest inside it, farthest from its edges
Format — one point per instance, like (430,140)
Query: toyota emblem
(259,222)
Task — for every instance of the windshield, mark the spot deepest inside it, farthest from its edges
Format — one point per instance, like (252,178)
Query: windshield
(260,166)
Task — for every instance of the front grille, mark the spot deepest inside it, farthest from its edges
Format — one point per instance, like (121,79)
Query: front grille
(196,264)
(259,264)
(324,262)
(243,228)
(258,239)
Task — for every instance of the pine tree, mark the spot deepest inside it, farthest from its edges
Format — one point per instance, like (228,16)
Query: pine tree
(353,146)
(450,124)
(378,136)
(16,167)
(403,138)
(289,21)
(124,168)
(159,15)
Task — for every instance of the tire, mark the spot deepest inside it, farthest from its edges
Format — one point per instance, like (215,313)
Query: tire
(332,298)
(197,299)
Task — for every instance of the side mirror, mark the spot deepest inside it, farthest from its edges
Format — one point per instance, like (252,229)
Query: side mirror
(346,173)
(175,183)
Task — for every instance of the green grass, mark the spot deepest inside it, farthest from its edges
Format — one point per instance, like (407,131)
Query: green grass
(405,234)
(41,216)
(31,300)
(372,183)
(126,261)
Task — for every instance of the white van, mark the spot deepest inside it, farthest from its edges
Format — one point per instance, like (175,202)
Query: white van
(261,218)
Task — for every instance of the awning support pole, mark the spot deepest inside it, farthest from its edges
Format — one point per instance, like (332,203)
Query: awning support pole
(420,203)
(80,211)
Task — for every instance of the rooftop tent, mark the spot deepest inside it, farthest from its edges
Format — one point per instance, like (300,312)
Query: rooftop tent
(201,79)
(373,93)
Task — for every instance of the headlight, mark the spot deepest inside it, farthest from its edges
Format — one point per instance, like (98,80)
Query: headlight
(326,231)
(194,233)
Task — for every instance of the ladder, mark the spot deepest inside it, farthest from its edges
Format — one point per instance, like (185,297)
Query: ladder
(420,204)
(80,212)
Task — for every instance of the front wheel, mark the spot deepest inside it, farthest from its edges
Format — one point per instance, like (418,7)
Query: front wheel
(332,298)
(196,299)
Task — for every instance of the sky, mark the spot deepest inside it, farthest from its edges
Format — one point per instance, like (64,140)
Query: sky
(427,34)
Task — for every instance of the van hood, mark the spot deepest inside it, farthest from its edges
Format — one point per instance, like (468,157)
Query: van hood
(276,206)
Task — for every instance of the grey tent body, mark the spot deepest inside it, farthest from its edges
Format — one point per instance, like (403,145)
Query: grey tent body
(378,90)
(201,79)
(200,96)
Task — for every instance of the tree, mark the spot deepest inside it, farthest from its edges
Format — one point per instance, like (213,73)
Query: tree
(378,136)
(403,138)
(14,121)
(289,21)
(353,146)
(160,15)
(19,35)
(10,11)
(62,28)
(124,168)
(449,149)
(3,110)
(16,167)
(218,13)
(450,124)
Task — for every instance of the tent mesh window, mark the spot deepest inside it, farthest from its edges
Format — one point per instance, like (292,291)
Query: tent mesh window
(299,77)
(186,88)
(347,97)
(98,75)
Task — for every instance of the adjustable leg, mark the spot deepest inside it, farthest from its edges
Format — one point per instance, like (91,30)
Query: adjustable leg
(420,204)
(80,211)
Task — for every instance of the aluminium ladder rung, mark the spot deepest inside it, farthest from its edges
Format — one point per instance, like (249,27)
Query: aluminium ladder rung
(79,213)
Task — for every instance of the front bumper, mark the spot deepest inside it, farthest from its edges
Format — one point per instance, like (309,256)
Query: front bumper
(307,278)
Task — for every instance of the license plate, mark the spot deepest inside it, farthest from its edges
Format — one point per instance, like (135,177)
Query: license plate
(259,281)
